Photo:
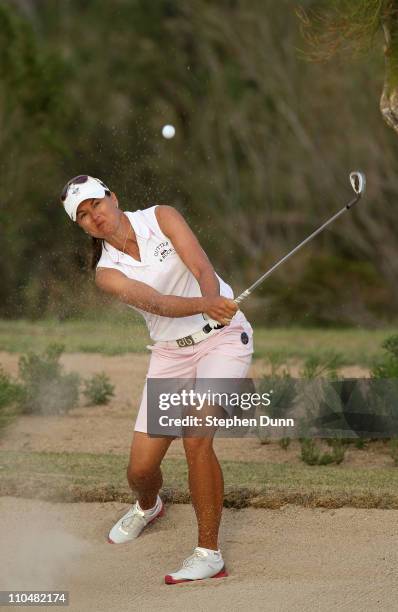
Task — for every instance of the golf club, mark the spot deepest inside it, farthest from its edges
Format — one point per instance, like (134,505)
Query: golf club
(358,183)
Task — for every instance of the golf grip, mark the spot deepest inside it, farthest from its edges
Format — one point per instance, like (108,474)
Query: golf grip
(242,296)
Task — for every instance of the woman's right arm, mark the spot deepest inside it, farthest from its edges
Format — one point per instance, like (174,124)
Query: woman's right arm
(144,297)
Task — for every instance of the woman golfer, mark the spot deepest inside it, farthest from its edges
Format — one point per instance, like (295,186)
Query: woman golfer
(151,260)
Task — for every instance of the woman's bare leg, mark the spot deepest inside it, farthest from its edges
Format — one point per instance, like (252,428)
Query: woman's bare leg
(143,472)
(206,484)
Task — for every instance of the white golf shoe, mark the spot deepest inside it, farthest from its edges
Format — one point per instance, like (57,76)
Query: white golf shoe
(133,522)
(198,566)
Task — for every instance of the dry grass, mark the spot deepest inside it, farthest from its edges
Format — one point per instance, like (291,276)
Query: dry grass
(93,477)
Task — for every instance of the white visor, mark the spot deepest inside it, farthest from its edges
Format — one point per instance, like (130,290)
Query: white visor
(78,192)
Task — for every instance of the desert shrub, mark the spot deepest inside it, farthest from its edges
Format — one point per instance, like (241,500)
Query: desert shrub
(319,396)
(311,453)
(9,389)
(284,443)
(10,392)
(46,389)
(316,397)
(98,389)
(326,366)
(338,451)
(387,365)
(320,399)
(384,386)
(283,393)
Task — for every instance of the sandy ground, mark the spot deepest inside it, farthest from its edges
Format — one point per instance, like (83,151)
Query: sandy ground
(278,560)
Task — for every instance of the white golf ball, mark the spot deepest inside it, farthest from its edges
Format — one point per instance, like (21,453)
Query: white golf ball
(168,131)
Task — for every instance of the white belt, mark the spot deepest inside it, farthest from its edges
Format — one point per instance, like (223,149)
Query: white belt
(194,338)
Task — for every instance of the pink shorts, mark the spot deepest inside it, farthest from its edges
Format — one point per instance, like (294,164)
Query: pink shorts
(226,354)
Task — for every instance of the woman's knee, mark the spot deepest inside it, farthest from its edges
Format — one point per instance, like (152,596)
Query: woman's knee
(197,446)
(141,473)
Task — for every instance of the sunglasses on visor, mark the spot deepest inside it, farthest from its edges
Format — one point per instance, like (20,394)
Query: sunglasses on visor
(78,180)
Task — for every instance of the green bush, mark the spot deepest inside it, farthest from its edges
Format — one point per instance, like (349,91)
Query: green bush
(98,389)
(385,376)
(287,391)
(326,366)
(10,392)
(284,443)
(338,452)
(283,393)
(387,366)
(317,393)
(46,389)
(311,453)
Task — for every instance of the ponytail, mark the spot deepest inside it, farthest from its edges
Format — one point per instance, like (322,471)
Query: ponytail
(96,252)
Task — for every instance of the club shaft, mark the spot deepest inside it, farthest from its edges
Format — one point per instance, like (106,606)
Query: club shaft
(262,278)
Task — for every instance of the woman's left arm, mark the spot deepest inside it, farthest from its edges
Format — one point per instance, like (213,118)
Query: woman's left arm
(174,226)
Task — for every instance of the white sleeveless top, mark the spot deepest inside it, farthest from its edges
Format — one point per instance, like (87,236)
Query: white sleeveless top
(161,268)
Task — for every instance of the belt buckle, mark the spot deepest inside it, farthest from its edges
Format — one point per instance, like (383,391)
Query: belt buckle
(186,341)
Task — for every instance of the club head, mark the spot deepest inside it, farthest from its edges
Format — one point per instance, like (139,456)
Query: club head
(358,182)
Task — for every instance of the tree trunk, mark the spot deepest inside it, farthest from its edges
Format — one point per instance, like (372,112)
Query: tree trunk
(389,96)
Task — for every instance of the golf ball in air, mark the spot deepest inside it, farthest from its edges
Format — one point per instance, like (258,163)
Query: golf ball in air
(168,131)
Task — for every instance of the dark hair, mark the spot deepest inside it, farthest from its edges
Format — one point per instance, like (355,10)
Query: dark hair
(96,252)
(96,246)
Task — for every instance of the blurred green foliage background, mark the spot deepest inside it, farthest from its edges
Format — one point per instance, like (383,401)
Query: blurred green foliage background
(264,144)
